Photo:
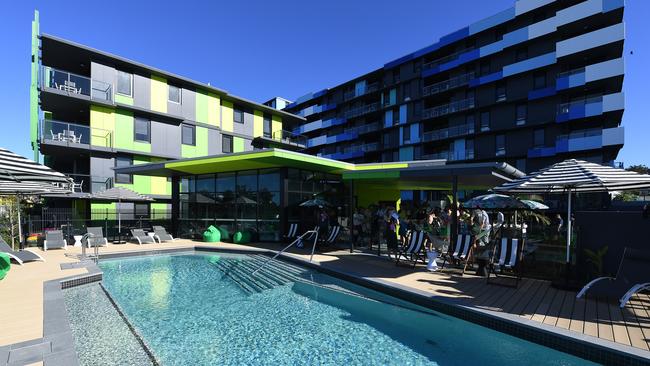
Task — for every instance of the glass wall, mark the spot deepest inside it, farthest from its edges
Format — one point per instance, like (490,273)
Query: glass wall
(304,185)
(241,201)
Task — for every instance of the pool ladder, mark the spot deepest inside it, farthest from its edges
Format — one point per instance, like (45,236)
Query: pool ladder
(313,233)
(84,243)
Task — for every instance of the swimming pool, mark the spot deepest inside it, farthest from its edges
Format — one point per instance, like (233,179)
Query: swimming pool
(197,309)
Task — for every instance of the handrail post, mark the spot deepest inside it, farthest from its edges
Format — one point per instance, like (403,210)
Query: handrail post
(287,247)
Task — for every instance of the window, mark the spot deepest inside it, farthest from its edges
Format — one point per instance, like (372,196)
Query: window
(469,122)
(500,145)
(188,135)
(141,209)
(406,134)
(121,162)
(522,112)
(174,94)
(539,80)
(485,68)
(501,92)
(538,138)
(226,144)
(124,83)
(469,149)
(406,91)
(142,130)
(239,115)
(485,121)
(521,54)
(267,125)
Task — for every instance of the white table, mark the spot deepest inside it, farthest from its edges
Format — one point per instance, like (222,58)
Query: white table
(77,240)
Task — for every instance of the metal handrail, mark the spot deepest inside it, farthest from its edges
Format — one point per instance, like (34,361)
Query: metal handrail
(289,246)
(84,244)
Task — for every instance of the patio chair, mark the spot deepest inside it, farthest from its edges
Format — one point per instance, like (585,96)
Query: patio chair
(292,233)
(141,237)
(332,235)
(461,252)
(413,249)
(95,237)
(20,256)
(506,260)
(54,239)
(632,276)
(161,233)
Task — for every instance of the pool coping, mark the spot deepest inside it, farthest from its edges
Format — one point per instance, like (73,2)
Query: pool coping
(58,334)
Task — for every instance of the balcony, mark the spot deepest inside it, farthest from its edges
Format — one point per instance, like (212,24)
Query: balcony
(369,89)
(290,138)
(74,135)
(453,107)
(445,59)
(360,130)
(85,183)
(449,84)
(359,111)
(76,85)
(437,156)
(374,146)
(448,132)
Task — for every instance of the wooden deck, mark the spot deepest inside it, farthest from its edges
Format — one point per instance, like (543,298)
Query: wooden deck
(534,299)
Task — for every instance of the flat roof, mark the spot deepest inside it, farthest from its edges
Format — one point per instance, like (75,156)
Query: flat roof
(418,174)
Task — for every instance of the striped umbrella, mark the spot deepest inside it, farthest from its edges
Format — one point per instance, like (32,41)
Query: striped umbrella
(120,194)
(534,205)
(576,176)
(18,168)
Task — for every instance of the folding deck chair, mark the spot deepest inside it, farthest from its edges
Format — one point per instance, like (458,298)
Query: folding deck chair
(292,234)
(95,237)
(506,259)
(161,233)
(462,252)
(332,235)
(413,249)
(141,237)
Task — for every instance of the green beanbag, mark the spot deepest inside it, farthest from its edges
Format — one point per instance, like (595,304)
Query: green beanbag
(5,265)
(225,236)
(242,237)
(212,235)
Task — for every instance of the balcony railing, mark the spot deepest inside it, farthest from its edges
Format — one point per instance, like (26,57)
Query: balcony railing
(73,134)
(577,71)
(445,85)
(369,127)
(359,111)
(445,109)
(437,156)
(85,183)
(75,84)
(373,146)
(448,132)
(566,107)
(445,59)
(353,93)
(289,137)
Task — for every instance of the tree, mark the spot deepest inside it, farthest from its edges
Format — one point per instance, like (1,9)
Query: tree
(639,168)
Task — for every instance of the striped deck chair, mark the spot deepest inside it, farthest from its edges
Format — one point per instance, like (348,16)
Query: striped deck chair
(413,249)
(292,233)
(507,258)
(333,234)
(462,252)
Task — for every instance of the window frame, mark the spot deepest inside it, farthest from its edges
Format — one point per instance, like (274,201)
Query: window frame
(193,128)
(535,136)
(117,89)
(180,94)
(500,97)
(540,75)
(487,127)
(225,137)
(267,118)
(499,151)
(117,175)
(235,112)
(135,129)
(521,121)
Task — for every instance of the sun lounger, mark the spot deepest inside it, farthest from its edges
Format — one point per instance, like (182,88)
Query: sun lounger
(19,256)
(461,252)
(54,239)
(292,233)
(141,237)
(413,249)
(506,259)
(161,233)
(632,276)
(95,237)
(332,235)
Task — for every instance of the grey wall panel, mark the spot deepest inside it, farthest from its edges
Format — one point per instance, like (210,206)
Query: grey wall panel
(103,73)
(165,139)
(142,91)
(245,128)
(188,104)
(214,142)
(100,170)
(174,108)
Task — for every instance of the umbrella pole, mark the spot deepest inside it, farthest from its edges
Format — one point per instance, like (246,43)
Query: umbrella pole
(20,229)
(568,230)
(119,218)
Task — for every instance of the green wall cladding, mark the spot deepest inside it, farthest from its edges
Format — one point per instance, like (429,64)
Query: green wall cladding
(124,133)
(237,144)
(201,147)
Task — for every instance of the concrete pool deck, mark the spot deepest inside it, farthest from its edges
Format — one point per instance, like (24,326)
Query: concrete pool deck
(533,303)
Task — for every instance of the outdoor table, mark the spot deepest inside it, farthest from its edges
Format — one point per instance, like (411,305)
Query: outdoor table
(77,240)
(119,236)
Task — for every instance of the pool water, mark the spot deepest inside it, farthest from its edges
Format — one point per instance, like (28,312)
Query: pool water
(196,309)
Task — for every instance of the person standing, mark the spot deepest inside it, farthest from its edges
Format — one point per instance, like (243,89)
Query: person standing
(357,226)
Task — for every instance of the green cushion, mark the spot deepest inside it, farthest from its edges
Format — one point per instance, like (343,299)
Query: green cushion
(5,265)
(242,237)
(237,237)
(224,233)
(211,236)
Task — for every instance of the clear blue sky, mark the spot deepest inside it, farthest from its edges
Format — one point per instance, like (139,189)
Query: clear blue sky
(257,49)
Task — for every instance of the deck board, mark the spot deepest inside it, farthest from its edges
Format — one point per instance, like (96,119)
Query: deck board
(591,315)
(618,325)
(605,330)
(578,317)
(564,317)
(544,305)
(554,310)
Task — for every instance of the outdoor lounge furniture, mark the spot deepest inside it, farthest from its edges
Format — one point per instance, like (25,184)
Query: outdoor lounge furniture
(632,276)
(95,237)
(141,237)
(506,259)
(293,232)
(413,249)
(5,264)
(19,256)
(54,239)
(212,235)
(161,233)
(332,235)
(461,252)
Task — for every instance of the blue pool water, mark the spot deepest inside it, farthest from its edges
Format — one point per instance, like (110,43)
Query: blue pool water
(202,309)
